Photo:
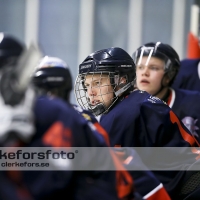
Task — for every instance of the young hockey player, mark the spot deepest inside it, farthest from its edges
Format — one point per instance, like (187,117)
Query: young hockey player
(134,118)
(157,65)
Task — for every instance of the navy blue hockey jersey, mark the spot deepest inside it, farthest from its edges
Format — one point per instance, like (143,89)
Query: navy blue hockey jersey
(145,183)
(59,125)
(186,106)
(141,120)
(188,76)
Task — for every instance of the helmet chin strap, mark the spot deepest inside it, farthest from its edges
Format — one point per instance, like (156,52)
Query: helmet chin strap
(123,89)
(101,108)
(98,109)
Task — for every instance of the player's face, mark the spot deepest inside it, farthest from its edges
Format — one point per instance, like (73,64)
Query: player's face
(99,89)
(150,74)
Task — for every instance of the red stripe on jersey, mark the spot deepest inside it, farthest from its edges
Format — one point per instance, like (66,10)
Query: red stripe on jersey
(158,193)
(186,136)
(124,181)
(58,136)
(103,132)
(168,103)
(21,189)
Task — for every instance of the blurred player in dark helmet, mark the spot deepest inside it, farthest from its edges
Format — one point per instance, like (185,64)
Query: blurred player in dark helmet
(157,65)
(52,78)
(134,118)
(55,124)
(10,49)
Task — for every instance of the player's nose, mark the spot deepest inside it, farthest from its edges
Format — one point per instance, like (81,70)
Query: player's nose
(91,91)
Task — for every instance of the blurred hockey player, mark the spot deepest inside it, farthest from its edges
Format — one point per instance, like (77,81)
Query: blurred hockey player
(157,65)
(134,118)
(10,49)
(15,102)
(55,124)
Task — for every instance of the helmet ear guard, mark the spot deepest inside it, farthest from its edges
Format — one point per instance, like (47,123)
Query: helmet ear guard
(171,75)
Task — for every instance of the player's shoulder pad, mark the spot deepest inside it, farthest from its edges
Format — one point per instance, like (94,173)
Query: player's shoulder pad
(77,108)
(86,114)
(148,97)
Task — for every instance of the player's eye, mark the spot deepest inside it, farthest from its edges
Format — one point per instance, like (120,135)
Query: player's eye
(97,83)
(140,67)
(86,86)
(154,67)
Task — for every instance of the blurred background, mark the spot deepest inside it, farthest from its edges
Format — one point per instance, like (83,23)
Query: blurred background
(72,29)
